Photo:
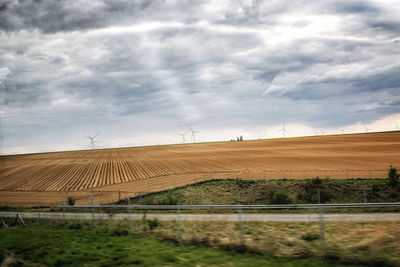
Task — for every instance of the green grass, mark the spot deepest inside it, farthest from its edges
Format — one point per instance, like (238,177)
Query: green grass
(263,191)
(54,245)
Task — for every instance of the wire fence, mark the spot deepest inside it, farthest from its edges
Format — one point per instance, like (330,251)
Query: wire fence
(99,213)
(138,188)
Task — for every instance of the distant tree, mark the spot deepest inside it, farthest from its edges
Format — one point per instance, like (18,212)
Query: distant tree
(393,176)
(241,138)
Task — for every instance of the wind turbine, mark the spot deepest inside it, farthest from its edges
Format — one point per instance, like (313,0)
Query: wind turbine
(342,130)
(193,134)
(396,126)
(283,130)
(91,144)
(366,128)
(183,136)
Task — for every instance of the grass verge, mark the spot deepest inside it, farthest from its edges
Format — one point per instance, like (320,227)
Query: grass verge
(73,245)
(367,244)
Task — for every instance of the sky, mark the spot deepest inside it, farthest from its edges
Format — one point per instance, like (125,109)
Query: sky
(142,72)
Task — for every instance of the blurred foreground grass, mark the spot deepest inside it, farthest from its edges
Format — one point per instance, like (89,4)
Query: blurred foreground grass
(55,245)
(143,241)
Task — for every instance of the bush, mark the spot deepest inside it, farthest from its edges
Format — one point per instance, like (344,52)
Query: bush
(316,181)
(323,195)
(71,201)
(310,237)
(120,232)
(280,198)
(154,223)
(393,176)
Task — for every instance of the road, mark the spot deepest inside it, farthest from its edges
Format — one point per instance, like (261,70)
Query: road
(362,217)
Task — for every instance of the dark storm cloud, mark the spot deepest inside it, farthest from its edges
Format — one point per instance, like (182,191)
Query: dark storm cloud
(53,16)
(134,67)
(354,7)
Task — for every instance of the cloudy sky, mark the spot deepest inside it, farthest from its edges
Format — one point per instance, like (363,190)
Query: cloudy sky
(140,72)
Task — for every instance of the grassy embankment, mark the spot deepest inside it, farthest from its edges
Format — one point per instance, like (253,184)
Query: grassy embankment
(284,191)
(77,245)
(277,192)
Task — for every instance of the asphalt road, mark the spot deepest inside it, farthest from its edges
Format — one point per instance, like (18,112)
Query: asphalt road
(362,217)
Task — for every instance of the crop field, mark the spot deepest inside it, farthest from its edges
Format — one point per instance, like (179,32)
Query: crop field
(48,177)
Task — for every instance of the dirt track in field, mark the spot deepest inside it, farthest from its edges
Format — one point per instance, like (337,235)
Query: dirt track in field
(25,179)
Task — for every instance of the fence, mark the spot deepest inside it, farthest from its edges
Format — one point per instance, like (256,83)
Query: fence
(162,183)
(239,217)
(137,188)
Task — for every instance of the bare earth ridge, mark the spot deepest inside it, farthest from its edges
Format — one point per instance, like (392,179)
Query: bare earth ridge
(50,177)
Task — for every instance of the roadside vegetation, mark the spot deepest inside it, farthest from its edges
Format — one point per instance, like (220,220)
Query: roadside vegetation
(107,245)
(284,191)
(152,242)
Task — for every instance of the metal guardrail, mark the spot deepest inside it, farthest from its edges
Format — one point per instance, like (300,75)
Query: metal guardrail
(236,207)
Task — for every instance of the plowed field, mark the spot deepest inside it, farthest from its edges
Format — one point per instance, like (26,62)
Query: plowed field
(48,177)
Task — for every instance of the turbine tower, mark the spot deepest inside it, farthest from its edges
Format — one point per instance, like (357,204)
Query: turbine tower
(396,126)
(193,134)
(366,128)
(91,144)
(283,130)
(183,136)
(342,130)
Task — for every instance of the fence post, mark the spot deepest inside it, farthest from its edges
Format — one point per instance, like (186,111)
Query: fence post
(321,222)
(130,214)
(179,222)
(365,196)
(91,204)
(119,195)
(239,211)
(39,212)
(63,211)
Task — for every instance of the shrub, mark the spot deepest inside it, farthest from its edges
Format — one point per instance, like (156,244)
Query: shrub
(120,232)
(71,201)
(280,198)
(393,176)
(316,181)
(154,223)
(310,237)
(323,195)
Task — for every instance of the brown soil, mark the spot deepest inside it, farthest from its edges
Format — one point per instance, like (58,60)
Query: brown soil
(49,177)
